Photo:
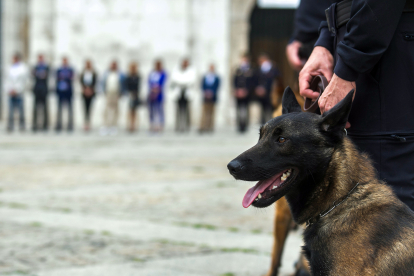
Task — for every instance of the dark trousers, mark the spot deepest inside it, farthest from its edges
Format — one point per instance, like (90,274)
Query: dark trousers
(382,115)
(16,103)
(183,115)
(64,101)
(243,114)
(40,108)
(267,110)
(87,104)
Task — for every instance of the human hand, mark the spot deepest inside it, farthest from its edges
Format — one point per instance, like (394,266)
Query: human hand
(241,93)
(260,91)
(320,62)
(208,94)
(292,54)
(336,90)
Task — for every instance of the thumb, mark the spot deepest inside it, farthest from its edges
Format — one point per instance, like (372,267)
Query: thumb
(327,74)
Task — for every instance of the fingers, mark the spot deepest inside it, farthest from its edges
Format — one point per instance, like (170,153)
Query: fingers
(304,82)
(308,93)
(321,103)
(327,73)
(292,53)
(295,61)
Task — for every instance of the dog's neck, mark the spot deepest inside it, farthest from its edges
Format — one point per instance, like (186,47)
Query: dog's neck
(332,182)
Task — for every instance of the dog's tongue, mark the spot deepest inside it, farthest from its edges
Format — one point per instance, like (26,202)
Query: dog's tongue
(259,188)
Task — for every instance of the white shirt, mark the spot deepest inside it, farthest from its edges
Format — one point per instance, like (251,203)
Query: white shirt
(266,66)
(17,78)
(112,83)
(183,79)
(88,77)
(210,78)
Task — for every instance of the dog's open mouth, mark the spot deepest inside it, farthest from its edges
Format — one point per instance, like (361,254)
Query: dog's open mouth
(265,192)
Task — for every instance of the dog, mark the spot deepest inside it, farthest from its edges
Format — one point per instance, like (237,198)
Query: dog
(355,225)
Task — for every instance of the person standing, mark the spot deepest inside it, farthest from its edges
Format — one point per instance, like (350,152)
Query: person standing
(367,45)
(264,84)
(16,82)
(243,87)
(133,86)
(156,81)
(209,86)
(88,80)
(113,87)
(183,79)
(64,90)
(40,91)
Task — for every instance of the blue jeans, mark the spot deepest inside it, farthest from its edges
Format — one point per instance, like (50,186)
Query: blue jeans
(156,110)
(15,102)
(61,102)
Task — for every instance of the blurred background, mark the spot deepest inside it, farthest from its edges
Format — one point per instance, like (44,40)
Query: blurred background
(140,185)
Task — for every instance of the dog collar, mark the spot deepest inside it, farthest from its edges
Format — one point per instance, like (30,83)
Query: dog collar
(323,214)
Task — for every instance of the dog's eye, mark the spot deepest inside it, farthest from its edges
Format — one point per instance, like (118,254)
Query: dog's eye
(281,140)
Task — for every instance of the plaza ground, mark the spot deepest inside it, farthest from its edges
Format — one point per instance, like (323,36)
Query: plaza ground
(85,205)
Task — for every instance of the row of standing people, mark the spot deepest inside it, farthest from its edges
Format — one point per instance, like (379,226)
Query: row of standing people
(254,84)
(114,84)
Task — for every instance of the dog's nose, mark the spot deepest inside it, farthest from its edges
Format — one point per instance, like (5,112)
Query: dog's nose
(234,166)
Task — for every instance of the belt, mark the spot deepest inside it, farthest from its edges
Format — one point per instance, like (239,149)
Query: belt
(343,12)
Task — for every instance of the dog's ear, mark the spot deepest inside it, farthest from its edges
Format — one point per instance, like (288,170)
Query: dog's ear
(289,102)
(335,119)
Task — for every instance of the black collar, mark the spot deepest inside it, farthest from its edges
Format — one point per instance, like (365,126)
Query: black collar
(322,214)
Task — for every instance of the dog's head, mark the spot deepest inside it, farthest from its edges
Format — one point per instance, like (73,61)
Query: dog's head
(291,149)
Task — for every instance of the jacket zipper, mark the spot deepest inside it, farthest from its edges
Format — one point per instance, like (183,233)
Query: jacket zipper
(402,139)
(399,137)
(408,37)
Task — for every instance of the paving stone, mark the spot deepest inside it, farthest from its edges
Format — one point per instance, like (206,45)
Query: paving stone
(130,205)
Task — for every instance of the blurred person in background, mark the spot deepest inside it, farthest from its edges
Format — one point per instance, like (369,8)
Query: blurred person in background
(40,91)
(183,79)
(265,78)
(64,90)
(209,86)
(243,86)
(16,82)
(88,79)
(156,81)
(308,17)
(113,87)
(133,85)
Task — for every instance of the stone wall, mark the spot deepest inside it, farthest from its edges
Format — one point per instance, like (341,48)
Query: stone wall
(133,30)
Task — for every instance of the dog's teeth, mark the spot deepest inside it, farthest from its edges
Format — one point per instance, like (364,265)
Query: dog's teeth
(274,187)
(256,199)
(283,178)
(259,196)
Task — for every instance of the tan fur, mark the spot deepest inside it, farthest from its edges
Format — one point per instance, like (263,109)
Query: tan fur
(351,240)
(282,223)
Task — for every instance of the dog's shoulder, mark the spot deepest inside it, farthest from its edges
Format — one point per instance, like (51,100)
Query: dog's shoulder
(369,234)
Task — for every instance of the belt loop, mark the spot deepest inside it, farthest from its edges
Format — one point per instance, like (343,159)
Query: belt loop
(331,18)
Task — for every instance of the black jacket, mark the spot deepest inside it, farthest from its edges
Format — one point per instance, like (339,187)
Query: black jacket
(133,84)
(308,18)
(368,35)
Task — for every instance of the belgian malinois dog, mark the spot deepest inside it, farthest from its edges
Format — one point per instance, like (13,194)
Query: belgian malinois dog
(355,225)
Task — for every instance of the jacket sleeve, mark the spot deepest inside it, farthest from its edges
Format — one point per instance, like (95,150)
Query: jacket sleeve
(325,37)
(368,35)
(308,16)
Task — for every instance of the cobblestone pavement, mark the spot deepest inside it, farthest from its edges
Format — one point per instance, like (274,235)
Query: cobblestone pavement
(85,205)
